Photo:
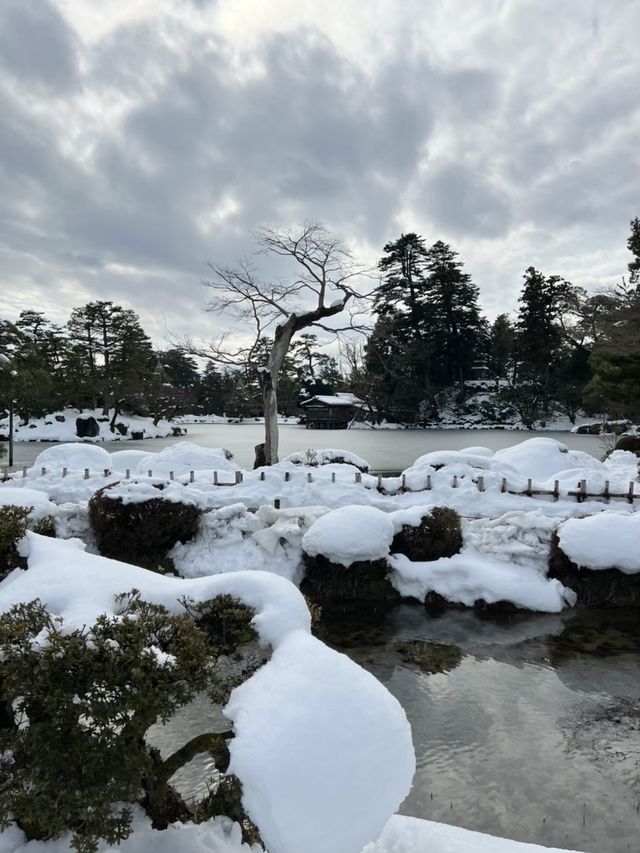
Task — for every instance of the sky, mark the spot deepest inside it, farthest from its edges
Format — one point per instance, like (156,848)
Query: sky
(140,139)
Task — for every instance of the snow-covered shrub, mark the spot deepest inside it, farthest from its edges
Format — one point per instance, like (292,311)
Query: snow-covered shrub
(327,456)
(74,710)
(13,526)
(439,534)
(141,526)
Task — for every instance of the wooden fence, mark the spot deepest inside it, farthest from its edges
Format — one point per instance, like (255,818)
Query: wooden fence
(581,492)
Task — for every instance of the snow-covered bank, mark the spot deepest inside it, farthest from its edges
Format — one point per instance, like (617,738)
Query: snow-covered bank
(62,426)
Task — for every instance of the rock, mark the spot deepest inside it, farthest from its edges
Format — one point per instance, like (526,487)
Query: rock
(33,426)
(629,442)
(123,429)
(260,456)
(87,427)
(364,584)
(594,587)
(137,434)
(589,429)
(60,418)
(439,534)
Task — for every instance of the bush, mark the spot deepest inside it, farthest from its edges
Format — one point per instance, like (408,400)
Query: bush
(439,534)
(14,521)
(75,708)
(140,533)
(629,442)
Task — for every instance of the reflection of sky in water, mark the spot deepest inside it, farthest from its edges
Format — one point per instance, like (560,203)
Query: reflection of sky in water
(520,739)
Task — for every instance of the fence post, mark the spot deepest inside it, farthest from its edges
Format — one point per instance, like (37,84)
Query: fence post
(106,472)
(333,476)
(86,473)
(428,482)
(149,473)
(606,490)
(583,490)
(481,484)
(262,475)
(556,490)
(5,472)
(358,476)
(215,478)
(379,484)
(309,477)
(404,483)
(127,474)
(24,471)
(43,472)
(630,494)
(529,487)
(287,476)
(276,503)
(192,476)
(64,472)
(454,482)
(238,477)
(503,485)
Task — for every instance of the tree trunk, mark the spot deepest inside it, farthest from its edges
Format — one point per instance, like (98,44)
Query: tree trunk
(270,405)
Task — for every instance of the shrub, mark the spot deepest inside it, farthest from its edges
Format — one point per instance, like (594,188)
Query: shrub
(140,533)
(13,526)
(74,710)
(439,534)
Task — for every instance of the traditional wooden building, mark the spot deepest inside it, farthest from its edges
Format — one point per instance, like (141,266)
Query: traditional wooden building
(331,411)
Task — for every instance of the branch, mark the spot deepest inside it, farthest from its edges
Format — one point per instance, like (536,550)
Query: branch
(215,744)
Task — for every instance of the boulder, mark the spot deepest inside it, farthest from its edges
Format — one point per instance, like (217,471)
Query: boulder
(594,587)
(87,427)
(439,534)
(363,584)
(629,442)
(60,418)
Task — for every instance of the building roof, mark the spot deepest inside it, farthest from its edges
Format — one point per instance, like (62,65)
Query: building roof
(340,399)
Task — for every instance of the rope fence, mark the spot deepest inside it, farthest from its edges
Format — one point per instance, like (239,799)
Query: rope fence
(581,492)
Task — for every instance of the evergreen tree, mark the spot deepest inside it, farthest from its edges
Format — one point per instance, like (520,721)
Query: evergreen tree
(501,341)
(633,244)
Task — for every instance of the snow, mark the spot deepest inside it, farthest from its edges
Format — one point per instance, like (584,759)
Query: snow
(355,533)
(49,428)
(610,540)
(183,457)
(353,752)
(325,456)
(343,399)
(306,702)
(412,835)
(134,491)
(127,460)
(74,456)
(542,458)
(30,498)
(400,835)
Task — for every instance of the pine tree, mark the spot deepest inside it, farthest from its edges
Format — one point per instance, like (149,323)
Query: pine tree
(633,244)
(501,342)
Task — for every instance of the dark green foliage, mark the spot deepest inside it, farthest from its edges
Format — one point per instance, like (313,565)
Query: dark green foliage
(75,707)
(140,533)
(335,588)
(439,534)
(225,621)
(14,522)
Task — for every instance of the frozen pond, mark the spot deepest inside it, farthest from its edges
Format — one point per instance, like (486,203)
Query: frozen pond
(527,728)
(385,450)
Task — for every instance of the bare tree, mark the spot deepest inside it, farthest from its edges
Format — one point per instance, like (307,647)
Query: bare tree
(324,286)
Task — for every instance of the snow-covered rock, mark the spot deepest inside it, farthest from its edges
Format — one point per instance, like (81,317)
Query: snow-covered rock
(351,534)
(326,456)
(183,457)
(610,540)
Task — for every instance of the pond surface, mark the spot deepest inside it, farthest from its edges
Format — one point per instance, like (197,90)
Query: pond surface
(385,450)
(527,728)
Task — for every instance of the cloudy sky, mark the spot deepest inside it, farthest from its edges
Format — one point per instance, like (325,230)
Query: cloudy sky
(141,138)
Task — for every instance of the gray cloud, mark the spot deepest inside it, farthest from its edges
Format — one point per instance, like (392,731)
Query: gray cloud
(129,159)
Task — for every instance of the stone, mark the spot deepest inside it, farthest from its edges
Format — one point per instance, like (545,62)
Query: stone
(87,427)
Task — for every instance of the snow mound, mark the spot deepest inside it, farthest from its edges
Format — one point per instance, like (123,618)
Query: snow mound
(353,533)
(442,458)
(471,575)
(28,498)
(542,458)
(184,456)
(75,456)
(123,460)
(135,492)
(348,758)
(326,456)
(606,541)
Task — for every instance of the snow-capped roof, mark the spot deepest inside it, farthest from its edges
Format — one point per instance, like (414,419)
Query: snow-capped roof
(342,398)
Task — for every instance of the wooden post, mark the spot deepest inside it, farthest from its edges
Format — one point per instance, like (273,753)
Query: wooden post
(86,473)
(43,472)
(358,476)
(309,477)
(630,494)
(556,490)
(454,482)
(379,484)
(149,473)
(171,475)
(127,474)
(404,483)
(192,476)
(24,471)
(64,472)
(287,476)
(583,490)
(276,503)
(215,478)
(262,475)
(238,477)
(429,482)
(503,485)
(106,472)
(481,484)
(606,490)
(333,476)
(529,487)
(5,472)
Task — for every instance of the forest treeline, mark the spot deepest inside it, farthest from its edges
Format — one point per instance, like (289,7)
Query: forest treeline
(562,350)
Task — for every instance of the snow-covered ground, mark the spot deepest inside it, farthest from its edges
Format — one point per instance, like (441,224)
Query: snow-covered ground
(61,426)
